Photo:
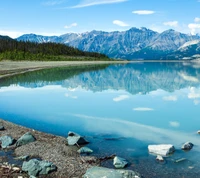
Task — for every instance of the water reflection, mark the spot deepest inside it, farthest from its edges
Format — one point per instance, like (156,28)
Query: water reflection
(144,103)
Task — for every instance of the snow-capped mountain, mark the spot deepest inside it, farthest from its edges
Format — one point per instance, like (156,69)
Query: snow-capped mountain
(134,43)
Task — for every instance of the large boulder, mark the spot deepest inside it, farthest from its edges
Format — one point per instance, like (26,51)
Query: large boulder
(100,172)
(85,150)
(6,141)
(187,146)
(75,139)
(162,149)
(25,139)
(35,167)
(119,162)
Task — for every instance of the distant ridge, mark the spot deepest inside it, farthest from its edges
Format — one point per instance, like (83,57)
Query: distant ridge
(135,43)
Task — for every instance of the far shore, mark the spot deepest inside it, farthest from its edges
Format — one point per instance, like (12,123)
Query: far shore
(10,68)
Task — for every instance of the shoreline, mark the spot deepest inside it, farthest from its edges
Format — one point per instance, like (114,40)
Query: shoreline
(48,147)
(11,68)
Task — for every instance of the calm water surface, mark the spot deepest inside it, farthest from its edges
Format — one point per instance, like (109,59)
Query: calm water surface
(120,109)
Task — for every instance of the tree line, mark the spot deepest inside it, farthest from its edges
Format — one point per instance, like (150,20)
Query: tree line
(21,50)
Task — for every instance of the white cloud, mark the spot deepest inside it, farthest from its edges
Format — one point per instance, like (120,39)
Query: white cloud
(143,109)
(170,98)
(120,23)
(194,28)
(171,23)
(120,98)
(197,19)
(12,34)
(53,2)
(15,34)
(71,25)
(86,3)
(174,124)
(143,12)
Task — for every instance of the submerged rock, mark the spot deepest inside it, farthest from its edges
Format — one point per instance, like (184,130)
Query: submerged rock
(119,162)
(74,138)
(162,149)
(35,167)
(187,146)
(100,172)
(179,160)
(25,139)
(2,127)
(198,131)
(6,141)
(85,150)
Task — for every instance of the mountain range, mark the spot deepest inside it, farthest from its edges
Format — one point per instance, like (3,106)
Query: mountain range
(135,43)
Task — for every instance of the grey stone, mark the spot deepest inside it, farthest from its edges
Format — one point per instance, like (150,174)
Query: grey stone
(162,149)
(35,167)
(2,127)
(74,138)
(119,162)
(187,146)
(6,141)
(100,172)
(85,150)
(25,139)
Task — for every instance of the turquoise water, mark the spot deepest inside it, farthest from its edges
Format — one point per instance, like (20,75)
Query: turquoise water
(120,109)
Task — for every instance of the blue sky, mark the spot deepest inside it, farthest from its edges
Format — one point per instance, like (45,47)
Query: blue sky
(56,17)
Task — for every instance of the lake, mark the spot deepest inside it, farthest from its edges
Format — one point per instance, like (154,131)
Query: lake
(120,109)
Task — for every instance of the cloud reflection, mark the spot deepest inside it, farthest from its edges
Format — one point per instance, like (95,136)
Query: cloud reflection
(135,130)
(143,109)
(170,98)
(120,98)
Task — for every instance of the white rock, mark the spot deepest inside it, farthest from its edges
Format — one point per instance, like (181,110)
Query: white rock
(162,149)
(198,131)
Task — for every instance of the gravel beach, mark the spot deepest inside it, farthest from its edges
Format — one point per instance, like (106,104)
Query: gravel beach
(50,148)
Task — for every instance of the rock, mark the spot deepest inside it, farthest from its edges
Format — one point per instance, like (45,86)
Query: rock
(119,162)
(159,158)
(162,149)
(25,139)
(85,150)
(2,128)
(74,138)
(187,146)
(6,141)
(100,172)
(35,167)
(198,131)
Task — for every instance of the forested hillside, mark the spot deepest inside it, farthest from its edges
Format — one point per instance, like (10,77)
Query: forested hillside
(20,50)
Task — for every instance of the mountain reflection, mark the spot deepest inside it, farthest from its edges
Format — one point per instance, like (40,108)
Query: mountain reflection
(133,78)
